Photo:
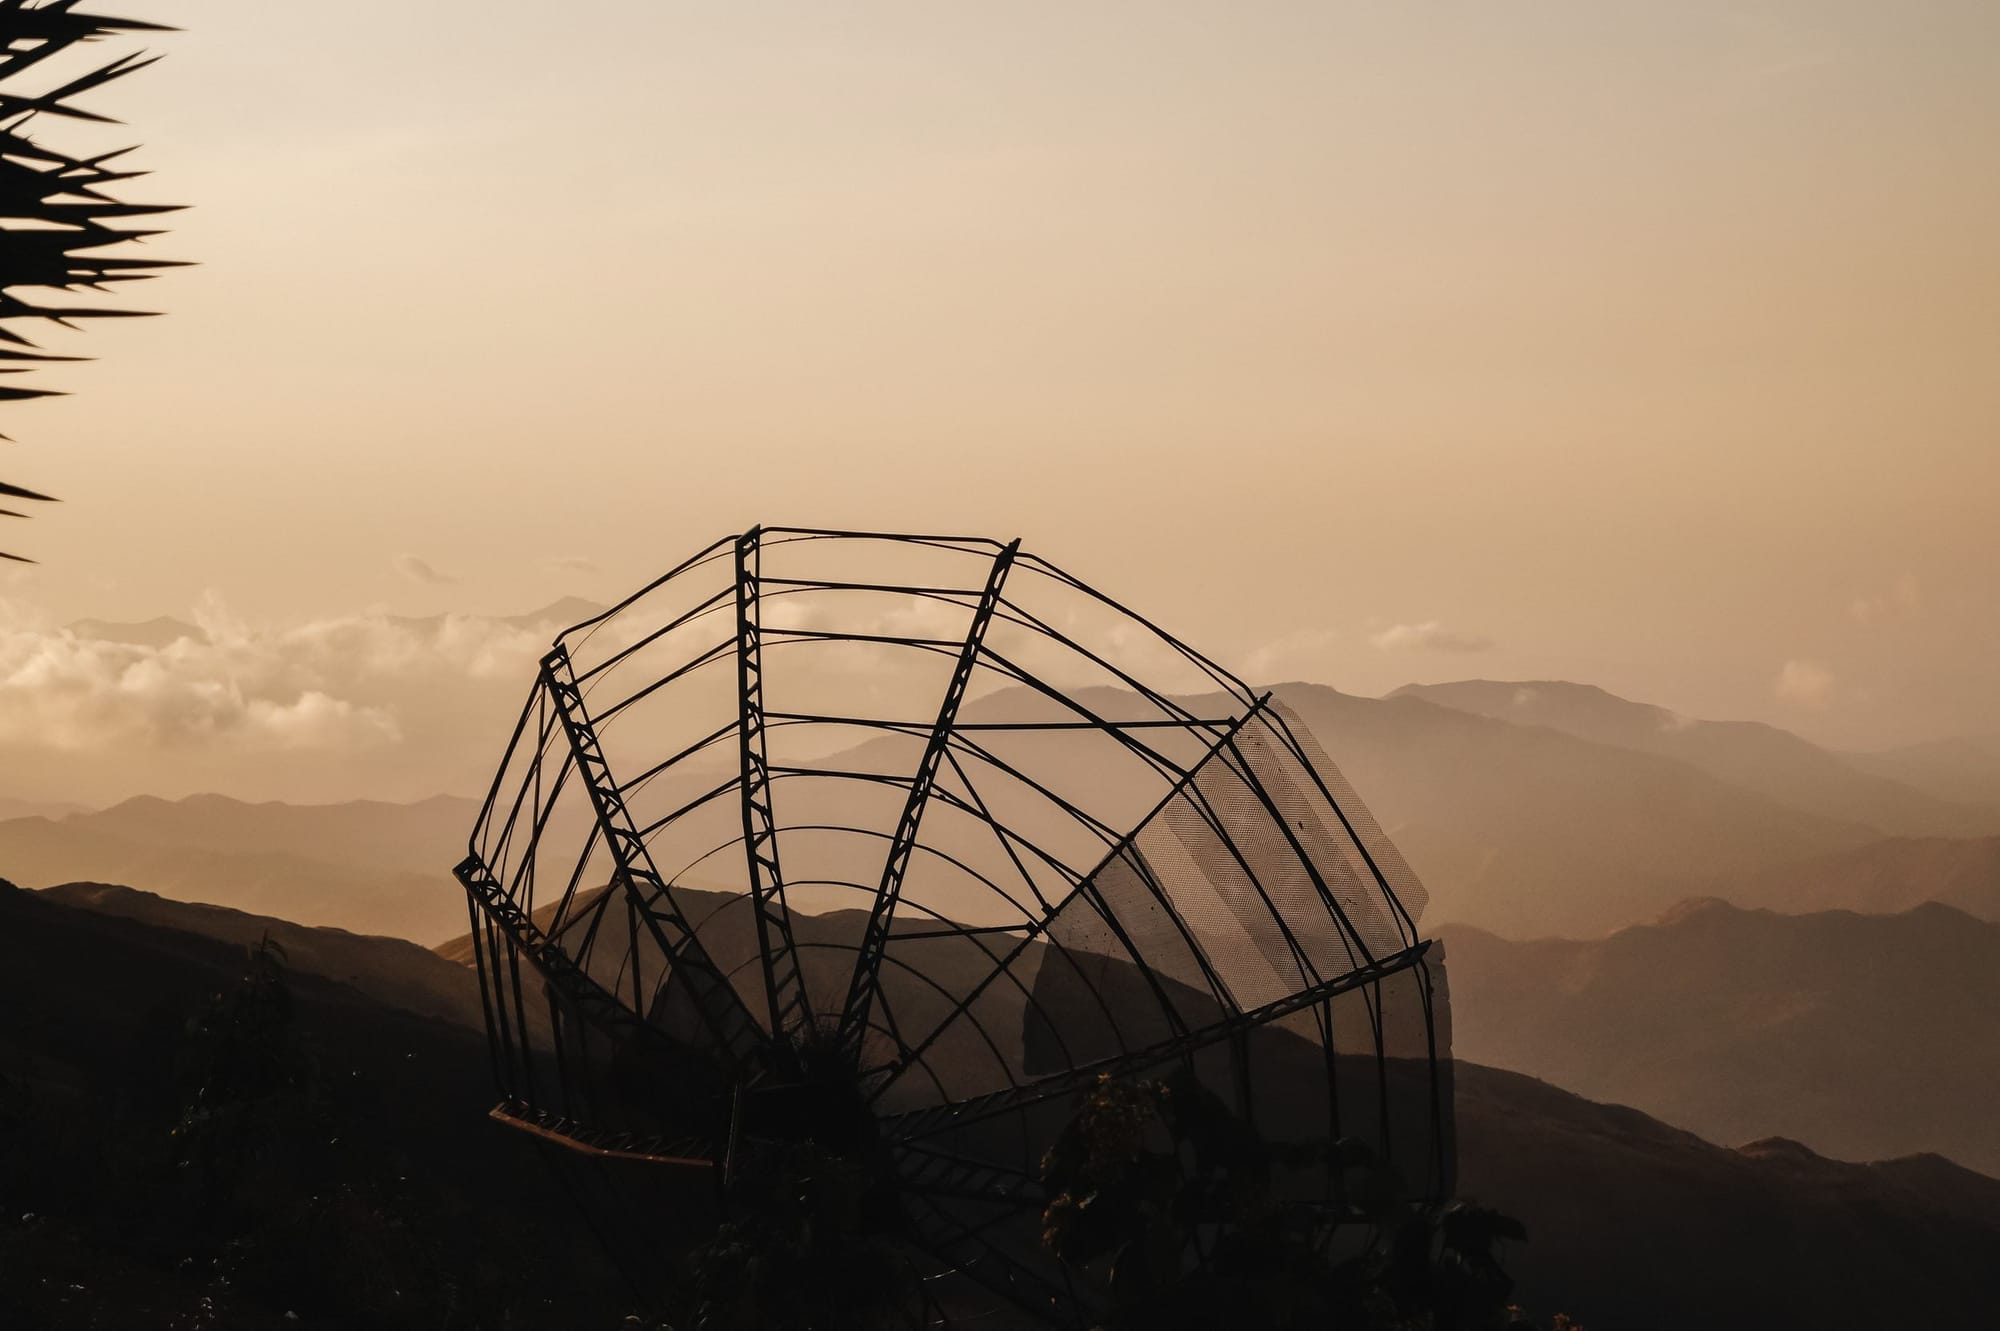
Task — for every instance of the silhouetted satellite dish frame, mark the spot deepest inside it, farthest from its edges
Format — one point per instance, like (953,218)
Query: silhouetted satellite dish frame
(698,1061)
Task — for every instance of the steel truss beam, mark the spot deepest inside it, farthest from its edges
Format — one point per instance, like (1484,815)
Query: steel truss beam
(721,1010)
(594,1003)
(862,987)
(784,988)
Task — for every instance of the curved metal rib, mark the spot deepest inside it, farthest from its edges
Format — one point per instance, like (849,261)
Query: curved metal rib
(920,1123)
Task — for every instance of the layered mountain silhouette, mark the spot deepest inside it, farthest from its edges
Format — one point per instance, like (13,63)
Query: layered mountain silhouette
(1826,1028)
(390,971)
(1521,829)
(23,808)
(1882,877)
(1527,830)
(1637,1226)
(1550,812)
(1758,758)
(1860,1035)
(366,866)
(1632,1224)
(1965,769)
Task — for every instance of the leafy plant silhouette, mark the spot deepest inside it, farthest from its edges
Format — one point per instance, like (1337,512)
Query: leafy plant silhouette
(55,214)
(1160,1182)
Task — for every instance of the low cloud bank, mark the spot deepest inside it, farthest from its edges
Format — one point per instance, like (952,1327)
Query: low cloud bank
(1429,636)
(331,708)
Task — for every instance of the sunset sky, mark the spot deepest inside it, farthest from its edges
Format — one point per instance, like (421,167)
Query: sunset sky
(1650,345)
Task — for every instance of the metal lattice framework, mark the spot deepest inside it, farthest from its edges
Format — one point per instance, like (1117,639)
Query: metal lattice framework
(932,809)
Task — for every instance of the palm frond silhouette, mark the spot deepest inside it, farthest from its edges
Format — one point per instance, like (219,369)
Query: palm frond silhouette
(57,215)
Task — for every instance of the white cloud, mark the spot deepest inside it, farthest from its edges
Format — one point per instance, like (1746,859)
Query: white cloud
(419,570)
(315,721)
(341,684)
(1297,655)
(570,564)
(1806,684)
(1902,599)
(69,693)
(1429,636)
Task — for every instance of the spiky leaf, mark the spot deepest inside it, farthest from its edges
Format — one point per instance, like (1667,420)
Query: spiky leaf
(56,211)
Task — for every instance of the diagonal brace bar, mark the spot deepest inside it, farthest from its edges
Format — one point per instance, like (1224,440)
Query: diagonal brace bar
(866,980)
(721,1010)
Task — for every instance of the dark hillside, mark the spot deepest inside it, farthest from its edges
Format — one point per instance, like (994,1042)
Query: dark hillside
(392,971)
(432,1215)
(1634,1226)
(1864,1036)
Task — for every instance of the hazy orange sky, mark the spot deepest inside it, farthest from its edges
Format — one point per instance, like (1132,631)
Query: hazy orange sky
(1653,345)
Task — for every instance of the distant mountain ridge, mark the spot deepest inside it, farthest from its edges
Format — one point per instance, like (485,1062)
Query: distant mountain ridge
(1861,1035)
(1527,830)
(1965,769)
(365,866)
(417,837)
(19,808)
(1520,829)
(1884,877)
(1759,758)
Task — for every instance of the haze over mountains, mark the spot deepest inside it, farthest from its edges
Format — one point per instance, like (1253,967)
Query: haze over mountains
(1884,877)
(1965,769)
(1522,828)
(1532,811)
(1863,1036)
(20,808)
(366,866)
(1757,757)
(1530,829)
